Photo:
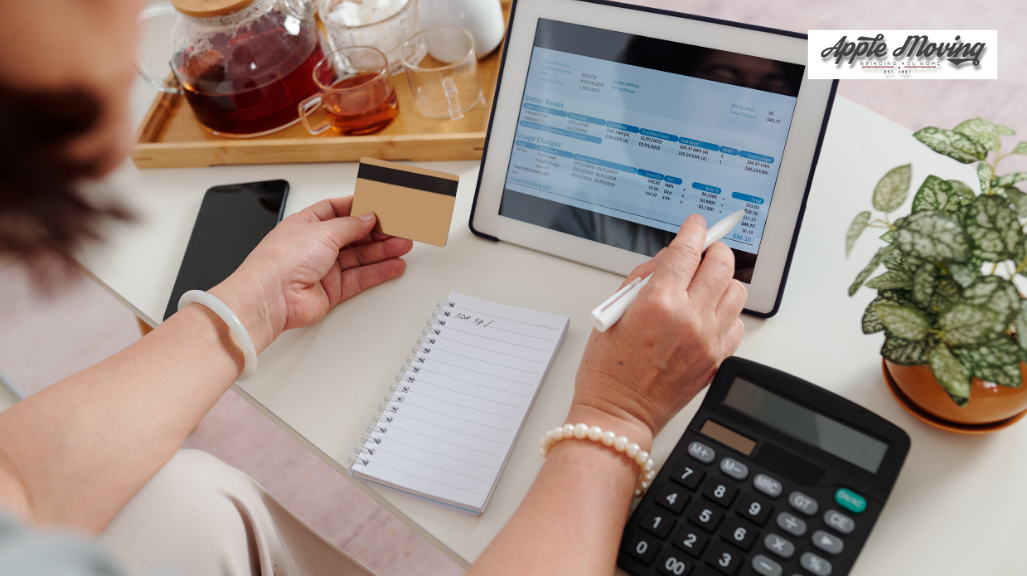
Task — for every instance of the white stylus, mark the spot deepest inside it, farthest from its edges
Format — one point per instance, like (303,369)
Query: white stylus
(608,313)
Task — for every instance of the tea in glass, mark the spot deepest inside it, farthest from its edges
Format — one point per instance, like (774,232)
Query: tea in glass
(356,92)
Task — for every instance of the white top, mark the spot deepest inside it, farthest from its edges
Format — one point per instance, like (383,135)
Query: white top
(321,384)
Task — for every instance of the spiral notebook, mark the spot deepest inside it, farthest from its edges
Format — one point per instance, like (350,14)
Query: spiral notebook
(450,420)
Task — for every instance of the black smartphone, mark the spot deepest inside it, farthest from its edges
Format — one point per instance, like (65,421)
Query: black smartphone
(233,219)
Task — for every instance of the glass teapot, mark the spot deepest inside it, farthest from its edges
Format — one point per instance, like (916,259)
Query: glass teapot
(243,65)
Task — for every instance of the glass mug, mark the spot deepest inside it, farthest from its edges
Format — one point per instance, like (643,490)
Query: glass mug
(356,91)
(442,71)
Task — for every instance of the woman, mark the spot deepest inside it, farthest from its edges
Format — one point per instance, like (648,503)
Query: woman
(96,452)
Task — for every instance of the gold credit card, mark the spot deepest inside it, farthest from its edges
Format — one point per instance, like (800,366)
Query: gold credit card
(409,202)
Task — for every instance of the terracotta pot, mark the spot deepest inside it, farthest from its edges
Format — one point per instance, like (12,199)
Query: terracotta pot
(989,402)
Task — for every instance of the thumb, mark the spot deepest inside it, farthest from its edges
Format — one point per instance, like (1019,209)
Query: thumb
(348,229)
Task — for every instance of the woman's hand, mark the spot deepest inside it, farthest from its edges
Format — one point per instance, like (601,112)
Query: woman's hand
(670,342)
(309,263)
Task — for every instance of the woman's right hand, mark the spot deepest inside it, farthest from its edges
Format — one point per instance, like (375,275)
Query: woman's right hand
(669,343)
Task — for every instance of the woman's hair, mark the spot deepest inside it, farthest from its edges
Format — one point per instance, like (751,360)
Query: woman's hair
(41,211)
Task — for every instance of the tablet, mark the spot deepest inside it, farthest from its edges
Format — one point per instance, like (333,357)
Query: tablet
(612,124)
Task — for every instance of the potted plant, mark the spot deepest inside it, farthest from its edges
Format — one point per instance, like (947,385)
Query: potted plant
(955,323)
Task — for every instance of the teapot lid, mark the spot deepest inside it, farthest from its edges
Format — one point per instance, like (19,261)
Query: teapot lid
(209,8)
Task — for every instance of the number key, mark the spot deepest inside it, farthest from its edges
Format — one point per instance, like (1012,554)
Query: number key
(740,533)
(719,491)
(705,515)
(673,564)
(687,475)
(723,559)
(643,548)
(690,540)
(673,498)
(755,509)
(658,522)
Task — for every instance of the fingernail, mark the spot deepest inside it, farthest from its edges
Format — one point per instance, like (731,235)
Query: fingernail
(369,217)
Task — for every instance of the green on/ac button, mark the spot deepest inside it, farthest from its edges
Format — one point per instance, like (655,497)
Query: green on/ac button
(850,500)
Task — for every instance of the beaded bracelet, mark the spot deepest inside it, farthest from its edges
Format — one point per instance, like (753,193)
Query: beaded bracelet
(608,438)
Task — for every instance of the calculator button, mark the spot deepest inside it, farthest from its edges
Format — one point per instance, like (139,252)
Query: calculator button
(673,564)
(690,540)
(740,533)
(767,485)
(719,491)
(705,515)
(815,564)
(701,452)
(780,546)
(850,500)
(839,522)
(803,503)
(791,524)
(723,559)
(687,476)
(754,509)
(643,548)
(673,498)
(658,522)
(734,468)
(828,543)
(765,566)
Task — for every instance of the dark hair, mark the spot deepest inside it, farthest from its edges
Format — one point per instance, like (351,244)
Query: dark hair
(41,211)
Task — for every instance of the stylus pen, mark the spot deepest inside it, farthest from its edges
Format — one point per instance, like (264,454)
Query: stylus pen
(608,313)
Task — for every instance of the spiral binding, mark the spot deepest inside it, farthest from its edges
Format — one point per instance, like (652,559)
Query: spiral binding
(402,384)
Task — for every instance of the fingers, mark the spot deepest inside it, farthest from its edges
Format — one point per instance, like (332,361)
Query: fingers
(682,257)
(644,269)
(373,252)
(714,275)
(734,337)
(343,231)
(732,302)
(356,280)
(327,209)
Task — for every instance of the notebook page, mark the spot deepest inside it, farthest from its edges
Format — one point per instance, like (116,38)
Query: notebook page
(453,420)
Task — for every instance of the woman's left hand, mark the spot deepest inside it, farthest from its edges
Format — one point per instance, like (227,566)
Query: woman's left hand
(309,263)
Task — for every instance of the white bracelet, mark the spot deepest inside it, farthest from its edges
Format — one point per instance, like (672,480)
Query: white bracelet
(608,438)
(249,352)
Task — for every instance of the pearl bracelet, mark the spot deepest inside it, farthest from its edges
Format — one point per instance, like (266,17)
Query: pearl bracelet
(608,438)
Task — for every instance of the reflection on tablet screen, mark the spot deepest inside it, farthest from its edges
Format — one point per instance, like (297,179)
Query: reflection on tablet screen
(621,137)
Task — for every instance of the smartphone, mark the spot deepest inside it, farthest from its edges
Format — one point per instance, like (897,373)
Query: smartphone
(233,219)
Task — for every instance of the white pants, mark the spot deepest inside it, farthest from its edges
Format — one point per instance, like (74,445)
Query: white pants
(199,516)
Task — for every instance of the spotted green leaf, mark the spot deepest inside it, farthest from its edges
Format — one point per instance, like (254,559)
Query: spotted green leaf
(906,352)
(892,189)
(871,323)
(997,294)
(969,325)
(1009,179)
(993,228)
(950,143)
(866,272)
(982,132)
(938,194)
(923,283)
(1021,325)
(947,293)
(1021,148)
(932,235)
(855,229)
(948,371)
(898,261)
(962,189)
(1017,198)
(1005,130)
(984,176)
(903,321)
(892,280)
(997,361)
(965,274)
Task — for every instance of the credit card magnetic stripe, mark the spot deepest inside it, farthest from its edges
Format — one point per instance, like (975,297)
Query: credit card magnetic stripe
(406,179)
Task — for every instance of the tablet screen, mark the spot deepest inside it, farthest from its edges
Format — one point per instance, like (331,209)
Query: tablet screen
(621,137)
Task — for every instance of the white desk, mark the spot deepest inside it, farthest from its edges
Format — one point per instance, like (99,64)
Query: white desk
(958,507)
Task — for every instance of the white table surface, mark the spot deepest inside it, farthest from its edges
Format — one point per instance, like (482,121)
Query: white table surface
(958,506)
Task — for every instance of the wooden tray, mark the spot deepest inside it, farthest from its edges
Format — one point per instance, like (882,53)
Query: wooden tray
(170,136)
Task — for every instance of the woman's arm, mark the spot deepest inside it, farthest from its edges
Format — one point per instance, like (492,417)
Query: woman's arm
(76,452)
(633,379)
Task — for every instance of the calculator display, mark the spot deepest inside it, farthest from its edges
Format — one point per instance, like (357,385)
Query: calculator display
(825,433)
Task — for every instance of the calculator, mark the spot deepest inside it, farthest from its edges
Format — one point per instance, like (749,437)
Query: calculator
(774,476)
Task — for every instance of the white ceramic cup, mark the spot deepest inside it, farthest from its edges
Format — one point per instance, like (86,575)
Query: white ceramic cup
(482,18)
